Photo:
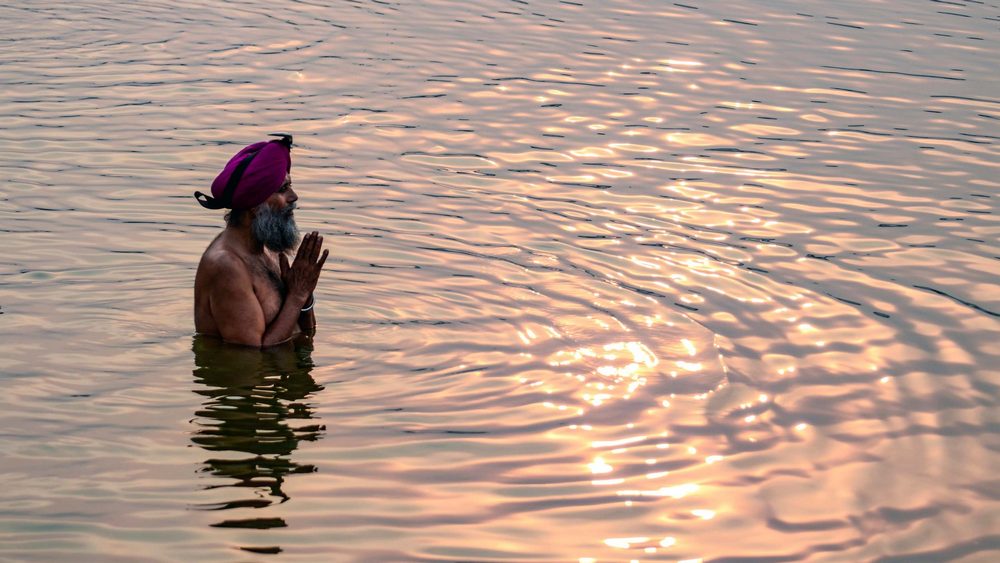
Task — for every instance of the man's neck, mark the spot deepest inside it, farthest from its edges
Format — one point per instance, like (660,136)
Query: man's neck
(241,236)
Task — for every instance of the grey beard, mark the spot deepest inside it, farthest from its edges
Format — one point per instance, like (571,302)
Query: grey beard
(275,229)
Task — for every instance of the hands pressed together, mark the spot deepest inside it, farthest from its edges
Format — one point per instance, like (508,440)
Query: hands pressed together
(301,276)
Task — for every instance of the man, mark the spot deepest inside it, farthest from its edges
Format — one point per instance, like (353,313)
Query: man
(245,291)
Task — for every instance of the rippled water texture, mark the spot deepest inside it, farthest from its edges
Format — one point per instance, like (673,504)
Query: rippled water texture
(609,281)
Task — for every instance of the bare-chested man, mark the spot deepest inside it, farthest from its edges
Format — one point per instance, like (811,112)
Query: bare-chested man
(245,291)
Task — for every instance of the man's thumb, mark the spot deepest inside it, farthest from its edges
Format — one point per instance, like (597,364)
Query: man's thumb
(283,264)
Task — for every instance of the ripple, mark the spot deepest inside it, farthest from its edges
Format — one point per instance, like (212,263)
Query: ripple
(607,282)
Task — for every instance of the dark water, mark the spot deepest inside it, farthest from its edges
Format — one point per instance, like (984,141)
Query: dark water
(608,281)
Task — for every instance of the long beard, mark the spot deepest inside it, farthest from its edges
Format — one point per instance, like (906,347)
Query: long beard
(275,229)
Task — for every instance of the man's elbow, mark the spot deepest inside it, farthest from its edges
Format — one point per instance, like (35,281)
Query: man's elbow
(248,338)
(242,341)
(266,342)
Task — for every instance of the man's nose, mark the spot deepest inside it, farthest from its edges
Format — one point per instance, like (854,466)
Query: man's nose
(292,197)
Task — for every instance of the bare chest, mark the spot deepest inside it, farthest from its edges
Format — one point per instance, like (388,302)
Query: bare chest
(268,288)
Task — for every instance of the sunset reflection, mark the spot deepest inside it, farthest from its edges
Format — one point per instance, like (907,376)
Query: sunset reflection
(608,281)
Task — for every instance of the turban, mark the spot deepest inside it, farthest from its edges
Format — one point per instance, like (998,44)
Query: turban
(251,176)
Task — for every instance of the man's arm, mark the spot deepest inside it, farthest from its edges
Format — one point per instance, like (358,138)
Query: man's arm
(237,311)
(307,319)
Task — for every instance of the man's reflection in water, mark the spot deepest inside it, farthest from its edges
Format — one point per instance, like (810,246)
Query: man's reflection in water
(252,400)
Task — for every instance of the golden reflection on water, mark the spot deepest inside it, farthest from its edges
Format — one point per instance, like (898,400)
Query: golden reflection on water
(611,281)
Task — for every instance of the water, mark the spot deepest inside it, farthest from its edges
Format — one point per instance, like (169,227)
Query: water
(608,281)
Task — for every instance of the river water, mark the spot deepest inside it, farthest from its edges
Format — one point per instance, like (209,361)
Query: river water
(609,281)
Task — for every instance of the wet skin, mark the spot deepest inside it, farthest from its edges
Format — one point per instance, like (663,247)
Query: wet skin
(247,294)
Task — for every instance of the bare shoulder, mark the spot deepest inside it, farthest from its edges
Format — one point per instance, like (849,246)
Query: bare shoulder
(218,261)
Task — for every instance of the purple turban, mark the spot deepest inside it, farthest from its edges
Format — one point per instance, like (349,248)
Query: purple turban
(251,176)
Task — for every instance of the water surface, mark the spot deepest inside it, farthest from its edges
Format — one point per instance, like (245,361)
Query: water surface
(609,281)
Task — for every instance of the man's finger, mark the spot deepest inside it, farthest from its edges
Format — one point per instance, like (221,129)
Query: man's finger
(318,247)
(309,254)
(304,248)
(319,265)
